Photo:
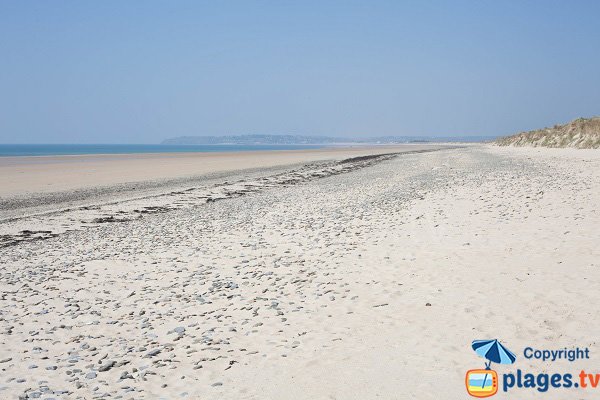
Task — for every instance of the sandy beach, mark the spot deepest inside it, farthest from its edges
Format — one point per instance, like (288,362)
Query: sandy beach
(45,174)
(333,274)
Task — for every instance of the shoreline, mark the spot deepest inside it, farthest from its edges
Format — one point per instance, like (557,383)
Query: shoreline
(229,148)
(28,175)
(25,220)
(301,147)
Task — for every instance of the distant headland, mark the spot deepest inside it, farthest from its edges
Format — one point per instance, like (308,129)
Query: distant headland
(304,140)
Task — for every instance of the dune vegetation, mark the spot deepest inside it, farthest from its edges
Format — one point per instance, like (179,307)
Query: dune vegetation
(582,133)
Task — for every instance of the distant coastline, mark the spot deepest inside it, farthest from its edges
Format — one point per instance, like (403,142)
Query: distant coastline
(315,140)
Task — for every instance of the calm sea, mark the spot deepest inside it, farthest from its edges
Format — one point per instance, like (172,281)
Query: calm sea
(7,150)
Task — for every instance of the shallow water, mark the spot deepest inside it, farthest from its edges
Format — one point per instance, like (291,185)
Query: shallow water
(7,150)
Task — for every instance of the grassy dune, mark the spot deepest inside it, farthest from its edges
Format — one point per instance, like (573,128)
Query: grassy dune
(582,133)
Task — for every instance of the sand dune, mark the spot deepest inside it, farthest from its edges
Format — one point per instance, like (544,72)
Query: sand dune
(582,133)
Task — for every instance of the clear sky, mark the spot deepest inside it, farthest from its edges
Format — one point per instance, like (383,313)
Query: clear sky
(141,71)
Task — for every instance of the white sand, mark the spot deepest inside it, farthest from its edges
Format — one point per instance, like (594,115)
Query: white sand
(318,290)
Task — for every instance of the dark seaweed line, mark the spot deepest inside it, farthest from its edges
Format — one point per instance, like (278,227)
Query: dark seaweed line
(351,164)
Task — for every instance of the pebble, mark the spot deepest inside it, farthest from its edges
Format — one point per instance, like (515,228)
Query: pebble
(107,365)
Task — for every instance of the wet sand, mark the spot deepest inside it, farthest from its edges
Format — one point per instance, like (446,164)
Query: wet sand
(43,174)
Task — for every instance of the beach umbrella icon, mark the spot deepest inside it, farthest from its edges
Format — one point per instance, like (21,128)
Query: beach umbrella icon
(493,351)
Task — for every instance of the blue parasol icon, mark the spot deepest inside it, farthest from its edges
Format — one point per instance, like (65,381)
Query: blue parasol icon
(493,351)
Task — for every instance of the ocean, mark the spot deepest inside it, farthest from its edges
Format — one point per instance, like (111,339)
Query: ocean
(8,150)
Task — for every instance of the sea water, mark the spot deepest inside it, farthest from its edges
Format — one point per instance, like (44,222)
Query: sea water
(7,150)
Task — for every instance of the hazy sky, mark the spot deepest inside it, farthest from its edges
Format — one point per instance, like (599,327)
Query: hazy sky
(141,71)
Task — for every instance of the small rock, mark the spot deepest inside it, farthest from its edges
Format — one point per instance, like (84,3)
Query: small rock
(153,353)
(107,365)
(91,375)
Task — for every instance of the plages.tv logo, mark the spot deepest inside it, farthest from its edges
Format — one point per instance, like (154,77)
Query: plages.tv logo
(484,382)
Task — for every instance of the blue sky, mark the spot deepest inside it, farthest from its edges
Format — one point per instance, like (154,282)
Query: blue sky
(142,71)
